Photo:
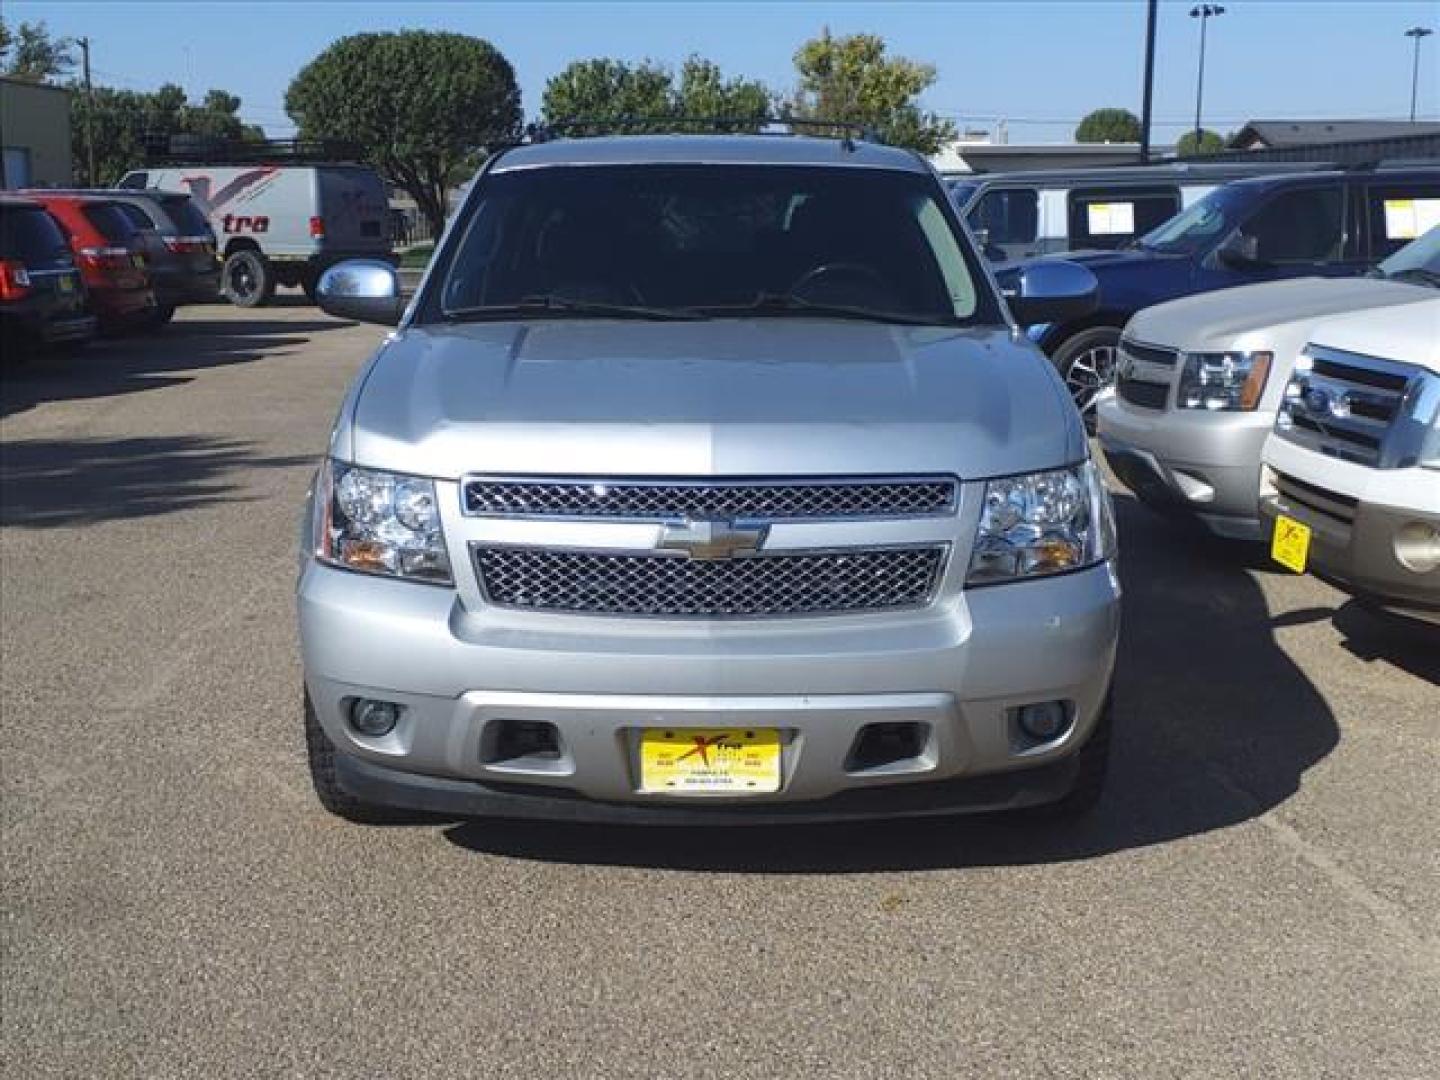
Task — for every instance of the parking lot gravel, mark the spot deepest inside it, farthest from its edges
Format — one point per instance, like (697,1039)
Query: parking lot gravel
(1254,897)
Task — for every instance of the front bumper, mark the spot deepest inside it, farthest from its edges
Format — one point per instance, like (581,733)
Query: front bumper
(959,670)
(1198,463)
(1358,555)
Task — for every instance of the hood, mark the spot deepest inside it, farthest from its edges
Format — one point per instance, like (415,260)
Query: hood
(1095,260)
(719,397)
(1410,335)
(1216,318)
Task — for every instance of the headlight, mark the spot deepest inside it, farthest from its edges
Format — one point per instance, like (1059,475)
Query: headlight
(1228,381)
(1042,523)
(379,523)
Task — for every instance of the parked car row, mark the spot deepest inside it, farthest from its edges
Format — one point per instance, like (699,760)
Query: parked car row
(78,261)
(1306,412)
(279,224)
(1262,227)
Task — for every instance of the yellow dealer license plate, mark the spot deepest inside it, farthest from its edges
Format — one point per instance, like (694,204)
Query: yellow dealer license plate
(715,761)
(1290,546)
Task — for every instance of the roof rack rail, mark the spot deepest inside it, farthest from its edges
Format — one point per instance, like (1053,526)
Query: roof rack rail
(201,150)
(846,130)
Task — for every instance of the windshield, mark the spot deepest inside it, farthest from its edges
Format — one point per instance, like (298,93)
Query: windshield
(1197,227)
(1419,258)
(713,240)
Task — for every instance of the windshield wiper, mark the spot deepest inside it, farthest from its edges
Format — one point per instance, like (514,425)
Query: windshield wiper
(549,306)
(767,303)
(1415,273)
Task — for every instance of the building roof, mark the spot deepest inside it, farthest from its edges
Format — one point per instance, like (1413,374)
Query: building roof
(1275,133)
(10,80)
(709,150)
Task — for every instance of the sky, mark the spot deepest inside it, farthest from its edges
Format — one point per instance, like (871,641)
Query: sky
(1039,65)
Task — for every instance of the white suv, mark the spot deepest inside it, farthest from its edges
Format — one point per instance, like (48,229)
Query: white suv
(1353,469)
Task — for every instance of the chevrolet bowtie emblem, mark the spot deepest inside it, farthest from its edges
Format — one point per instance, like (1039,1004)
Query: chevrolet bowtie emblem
(712,539)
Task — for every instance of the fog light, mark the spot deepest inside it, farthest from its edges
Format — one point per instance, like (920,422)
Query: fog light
(1417,546)
(374,718)
(1044,721)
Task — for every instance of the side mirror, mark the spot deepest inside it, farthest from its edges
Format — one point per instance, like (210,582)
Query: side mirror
(1052,291)
(1239,252)
(365,290)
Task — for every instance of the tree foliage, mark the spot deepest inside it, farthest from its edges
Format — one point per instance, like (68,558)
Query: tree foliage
(1210,143)
(31,53)
(851,78)
(422,106)
(126,123)
(1109,126)
(611,95)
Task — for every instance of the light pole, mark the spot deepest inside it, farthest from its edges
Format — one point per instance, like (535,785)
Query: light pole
(1203,12)
(1416,32)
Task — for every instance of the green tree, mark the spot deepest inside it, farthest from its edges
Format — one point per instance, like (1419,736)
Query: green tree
(1109,126)
(125,124)
(705,92)
(1210,143)
(422,106)
(602,92)
(851,78)
(32,54)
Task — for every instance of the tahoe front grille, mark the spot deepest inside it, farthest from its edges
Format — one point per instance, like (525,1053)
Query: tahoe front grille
(798,583)
(662,500)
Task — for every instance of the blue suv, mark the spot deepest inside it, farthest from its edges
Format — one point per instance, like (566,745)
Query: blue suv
(1327,224)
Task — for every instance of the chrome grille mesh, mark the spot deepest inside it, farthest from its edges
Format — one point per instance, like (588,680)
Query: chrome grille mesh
(669,501)
(659,585)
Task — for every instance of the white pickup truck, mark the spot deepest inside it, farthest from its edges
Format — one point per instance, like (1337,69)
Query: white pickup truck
(1352,470)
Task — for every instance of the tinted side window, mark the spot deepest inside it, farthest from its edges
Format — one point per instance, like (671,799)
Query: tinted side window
(110,221)
(1399,213)
(1107,219)
(134,180)
(135,215)
(1304,225)
(1011,215)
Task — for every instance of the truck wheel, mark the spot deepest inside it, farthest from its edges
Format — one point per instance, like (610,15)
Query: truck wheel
(321,754)
(1086,361)
(1089,781)
(246,279)
(309,283)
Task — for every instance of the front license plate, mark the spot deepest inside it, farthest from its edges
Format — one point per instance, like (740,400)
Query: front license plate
(138,261)
(716,761)
(64,284)
(1290,546)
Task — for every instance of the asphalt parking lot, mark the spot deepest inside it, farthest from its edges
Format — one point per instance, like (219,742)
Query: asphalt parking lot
(1255,897)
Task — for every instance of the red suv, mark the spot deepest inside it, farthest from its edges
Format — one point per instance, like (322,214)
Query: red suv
(109,252)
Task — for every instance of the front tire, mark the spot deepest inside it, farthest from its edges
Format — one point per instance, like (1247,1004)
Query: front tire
(321,754)
(1086,361)
(247,279)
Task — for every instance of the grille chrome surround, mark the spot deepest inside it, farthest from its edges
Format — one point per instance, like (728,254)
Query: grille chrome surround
(801,582)
(602,499)
(1362,409)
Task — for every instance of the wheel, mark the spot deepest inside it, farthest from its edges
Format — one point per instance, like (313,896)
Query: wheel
(320,752)
(163,314)
(246,279)
(309,283)
(1086,362)
(1089,780)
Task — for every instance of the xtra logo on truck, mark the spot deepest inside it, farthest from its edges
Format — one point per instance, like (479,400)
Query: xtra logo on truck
(213,201)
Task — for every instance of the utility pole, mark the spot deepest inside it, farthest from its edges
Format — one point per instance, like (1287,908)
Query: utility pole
(1203,12)
(84,44)
(1416,32)
(1145,108)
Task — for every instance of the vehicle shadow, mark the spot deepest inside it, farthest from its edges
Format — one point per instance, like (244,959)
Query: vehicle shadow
(111,366)
(1214,726)
(1408,644)
(46,483)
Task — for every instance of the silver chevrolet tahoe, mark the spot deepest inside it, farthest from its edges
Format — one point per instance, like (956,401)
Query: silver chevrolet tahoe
(707,479)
